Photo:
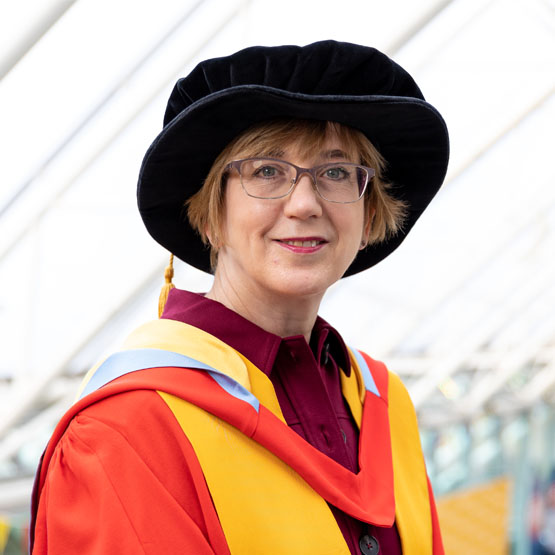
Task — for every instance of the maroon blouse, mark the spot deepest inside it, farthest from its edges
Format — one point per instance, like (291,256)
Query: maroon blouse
(307,383)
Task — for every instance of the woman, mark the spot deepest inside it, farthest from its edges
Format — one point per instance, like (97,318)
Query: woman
(239,422)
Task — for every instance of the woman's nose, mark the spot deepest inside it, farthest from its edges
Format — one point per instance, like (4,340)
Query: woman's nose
(303,201)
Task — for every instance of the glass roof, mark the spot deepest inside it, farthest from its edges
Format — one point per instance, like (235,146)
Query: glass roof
(463,310)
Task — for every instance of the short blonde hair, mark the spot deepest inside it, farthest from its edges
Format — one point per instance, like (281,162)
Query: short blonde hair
(205,209)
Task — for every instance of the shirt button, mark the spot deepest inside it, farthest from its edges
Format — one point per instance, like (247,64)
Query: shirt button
(369,545)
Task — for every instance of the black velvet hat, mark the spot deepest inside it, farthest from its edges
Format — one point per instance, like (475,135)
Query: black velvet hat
(354,85)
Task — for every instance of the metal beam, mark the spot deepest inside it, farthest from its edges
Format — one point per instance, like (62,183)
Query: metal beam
(514,360)
(33,34)
(485,324)
(92,114)
(26,392)
(418,26)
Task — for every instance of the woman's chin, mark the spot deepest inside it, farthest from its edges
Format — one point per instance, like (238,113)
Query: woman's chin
(301,284)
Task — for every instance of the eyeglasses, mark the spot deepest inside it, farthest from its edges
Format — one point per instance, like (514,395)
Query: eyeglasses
(269,178)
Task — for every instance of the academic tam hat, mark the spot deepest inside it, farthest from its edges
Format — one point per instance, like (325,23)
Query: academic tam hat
(354,85)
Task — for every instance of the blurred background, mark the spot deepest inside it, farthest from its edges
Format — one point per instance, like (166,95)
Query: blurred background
(464,310)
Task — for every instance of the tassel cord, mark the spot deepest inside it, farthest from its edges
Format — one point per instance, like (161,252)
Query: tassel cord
(167,287)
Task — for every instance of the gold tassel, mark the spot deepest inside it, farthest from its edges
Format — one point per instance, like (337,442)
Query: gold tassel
(168,275)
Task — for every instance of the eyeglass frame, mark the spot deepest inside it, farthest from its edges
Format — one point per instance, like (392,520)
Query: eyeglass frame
(236,164)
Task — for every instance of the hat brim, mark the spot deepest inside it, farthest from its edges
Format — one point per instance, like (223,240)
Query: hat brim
(409,133)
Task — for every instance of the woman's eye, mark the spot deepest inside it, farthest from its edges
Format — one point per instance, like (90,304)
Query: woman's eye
(266,171)
(336,173)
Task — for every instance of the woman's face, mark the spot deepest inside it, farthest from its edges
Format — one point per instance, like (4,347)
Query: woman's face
(295,246)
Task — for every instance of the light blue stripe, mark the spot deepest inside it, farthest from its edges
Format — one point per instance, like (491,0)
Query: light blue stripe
(369,382)
(125,362)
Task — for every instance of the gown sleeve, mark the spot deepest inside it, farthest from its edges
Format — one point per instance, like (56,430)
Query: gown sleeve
(125,480)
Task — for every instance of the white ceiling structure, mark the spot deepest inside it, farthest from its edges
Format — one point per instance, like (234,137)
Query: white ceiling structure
(464,311)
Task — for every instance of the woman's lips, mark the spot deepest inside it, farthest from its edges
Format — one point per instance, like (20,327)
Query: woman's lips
(302,244)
